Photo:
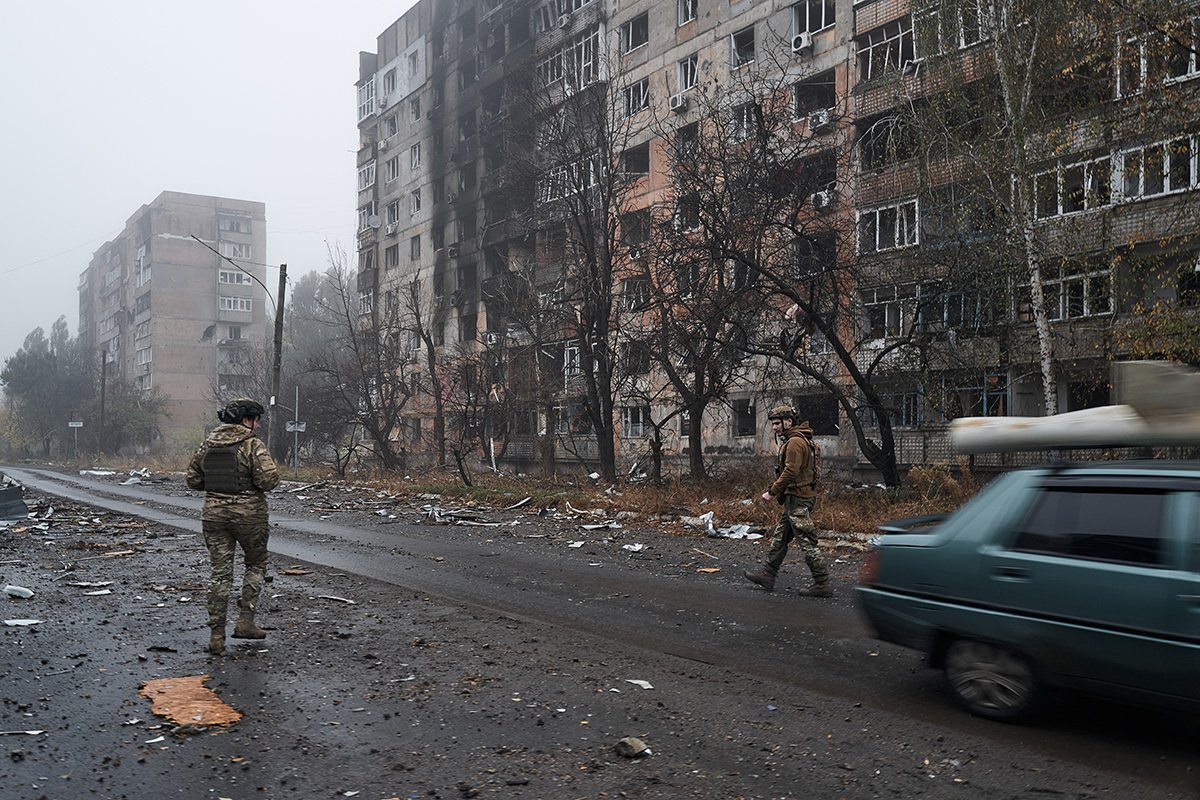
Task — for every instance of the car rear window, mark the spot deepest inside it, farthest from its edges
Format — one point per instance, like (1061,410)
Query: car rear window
(1097,524)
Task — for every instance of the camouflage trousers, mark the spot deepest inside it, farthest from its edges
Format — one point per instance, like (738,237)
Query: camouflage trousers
(795,523)
(222,538)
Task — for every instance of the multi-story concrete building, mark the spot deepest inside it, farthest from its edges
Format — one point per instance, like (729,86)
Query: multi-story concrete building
(862,85)
(163,311)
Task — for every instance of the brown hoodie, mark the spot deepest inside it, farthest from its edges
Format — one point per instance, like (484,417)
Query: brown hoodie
(797,473)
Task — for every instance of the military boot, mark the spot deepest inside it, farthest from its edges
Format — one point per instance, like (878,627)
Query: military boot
(246,629)
(765,577)
(216,642)
(819,588)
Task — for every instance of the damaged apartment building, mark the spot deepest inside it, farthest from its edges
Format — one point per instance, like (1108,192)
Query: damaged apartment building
(936,244)
(161,311)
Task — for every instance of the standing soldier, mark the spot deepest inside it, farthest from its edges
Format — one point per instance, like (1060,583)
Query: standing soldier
(235,470)
(795,488)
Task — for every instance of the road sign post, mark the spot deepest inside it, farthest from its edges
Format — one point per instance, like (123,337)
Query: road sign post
(75,425)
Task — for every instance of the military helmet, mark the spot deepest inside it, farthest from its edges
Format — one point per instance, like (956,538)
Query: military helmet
(782,411)
(238,408)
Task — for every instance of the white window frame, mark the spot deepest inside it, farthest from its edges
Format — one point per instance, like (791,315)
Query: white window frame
(735,59)
(576,62)
(366,176)
(685,12)
(636,97)
(572,359)
(239,250)
(685,73)
(745,121)
(235,303)
(414,156)
(882,50)
(898,305)
(635,293)
(905,219)
(1193,67)
(366,302)
(1058,292)
(1129,184)
(391,169)
(635,33)
(233,277)
(414,202)
(144,356)
(365,212)
(635,422)
(803,17)
(366,100)
(1094,169)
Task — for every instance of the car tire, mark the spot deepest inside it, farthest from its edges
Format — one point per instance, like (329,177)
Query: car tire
(990,680)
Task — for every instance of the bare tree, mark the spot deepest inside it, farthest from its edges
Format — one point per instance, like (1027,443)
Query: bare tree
(589,158)
(363,366)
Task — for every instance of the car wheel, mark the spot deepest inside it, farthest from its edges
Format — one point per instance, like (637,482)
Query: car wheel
(989,680)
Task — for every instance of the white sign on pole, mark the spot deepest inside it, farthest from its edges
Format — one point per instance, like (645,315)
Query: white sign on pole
(294,426)
(74,424)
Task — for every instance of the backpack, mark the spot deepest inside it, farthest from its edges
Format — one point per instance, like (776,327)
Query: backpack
(816,458)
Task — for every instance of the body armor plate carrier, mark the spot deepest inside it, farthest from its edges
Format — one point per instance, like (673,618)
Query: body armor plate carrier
(221,472)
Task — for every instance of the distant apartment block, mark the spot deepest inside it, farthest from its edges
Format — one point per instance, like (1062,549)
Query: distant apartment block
(165,312)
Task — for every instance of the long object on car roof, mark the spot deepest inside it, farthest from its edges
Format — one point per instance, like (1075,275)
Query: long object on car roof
(1162,410)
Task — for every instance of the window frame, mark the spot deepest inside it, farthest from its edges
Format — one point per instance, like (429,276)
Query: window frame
(635,33)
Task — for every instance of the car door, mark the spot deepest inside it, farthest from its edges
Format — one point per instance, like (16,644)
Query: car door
(1081,586)
(1183,594)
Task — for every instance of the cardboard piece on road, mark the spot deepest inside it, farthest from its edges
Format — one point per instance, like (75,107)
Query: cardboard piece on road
(187,701)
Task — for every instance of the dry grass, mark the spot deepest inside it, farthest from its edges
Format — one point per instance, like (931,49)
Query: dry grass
(929,490)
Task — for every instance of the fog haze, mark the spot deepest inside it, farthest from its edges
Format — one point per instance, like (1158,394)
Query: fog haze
(107,104)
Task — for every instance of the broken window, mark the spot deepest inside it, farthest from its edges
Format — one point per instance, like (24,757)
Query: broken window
(635,33)
(636,160)
(886,49)
(741,47)
(744,423)
(636,97)
(814,94)
(888,227)
(810,16)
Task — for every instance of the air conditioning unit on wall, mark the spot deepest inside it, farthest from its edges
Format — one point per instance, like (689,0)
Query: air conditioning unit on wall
(677,102)
(820,121)
(823,200)
(802,43)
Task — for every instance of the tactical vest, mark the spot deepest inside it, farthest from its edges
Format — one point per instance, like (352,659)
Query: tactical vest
(221,472)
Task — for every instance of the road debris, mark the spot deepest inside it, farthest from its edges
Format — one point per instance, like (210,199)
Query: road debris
(632,747)
(187,701)
(338,599)
(634,548)
(638,682)
(12,507)
(17,591)
(14,623)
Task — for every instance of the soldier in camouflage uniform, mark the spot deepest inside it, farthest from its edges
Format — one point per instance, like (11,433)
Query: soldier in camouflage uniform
(235,470)
(795,488)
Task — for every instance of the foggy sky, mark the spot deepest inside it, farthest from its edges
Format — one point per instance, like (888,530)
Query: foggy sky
(106,104)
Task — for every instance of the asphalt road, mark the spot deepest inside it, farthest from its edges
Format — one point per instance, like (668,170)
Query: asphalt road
(777,695)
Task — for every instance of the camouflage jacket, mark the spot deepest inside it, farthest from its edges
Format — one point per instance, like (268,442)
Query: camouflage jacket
(256,471)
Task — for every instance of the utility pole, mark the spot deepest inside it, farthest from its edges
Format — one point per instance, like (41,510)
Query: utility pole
(276,425)
(103,383)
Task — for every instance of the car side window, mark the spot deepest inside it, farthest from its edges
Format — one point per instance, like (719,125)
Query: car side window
(1098,525)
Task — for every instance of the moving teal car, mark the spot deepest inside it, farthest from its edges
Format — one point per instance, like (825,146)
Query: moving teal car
(1083,577)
